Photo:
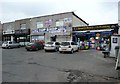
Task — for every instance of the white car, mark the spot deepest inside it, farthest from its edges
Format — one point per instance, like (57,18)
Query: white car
(10,44)
(68,46)
(52,46)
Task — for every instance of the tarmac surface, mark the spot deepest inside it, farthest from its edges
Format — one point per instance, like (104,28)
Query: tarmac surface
(18,65)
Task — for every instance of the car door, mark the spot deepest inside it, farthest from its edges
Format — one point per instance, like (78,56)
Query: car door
(10,44)
(14,44)
(73,46)
(76,46)
(39,45)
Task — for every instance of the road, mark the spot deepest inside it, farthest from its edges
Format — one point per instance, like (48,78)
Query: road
(19,65)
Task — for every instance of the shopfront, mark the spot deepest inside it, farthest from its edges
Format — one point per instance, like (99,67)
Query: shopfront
(50,34)
(22,36)
(94,36)
(8,35)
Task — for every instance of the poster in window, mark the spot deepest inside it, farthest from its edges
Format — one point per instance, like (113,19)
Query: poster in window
(114,40)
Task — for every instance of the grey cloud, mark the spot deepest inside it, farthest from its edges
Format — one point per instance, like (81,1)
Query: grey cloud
(27,8)
(87,10)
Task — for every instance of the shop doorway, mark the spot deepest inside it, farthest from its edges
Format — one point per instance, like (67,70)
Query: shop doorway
(53,38)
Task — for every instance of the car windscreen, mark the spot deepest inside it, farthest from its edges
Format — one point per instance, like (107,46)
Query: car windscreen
(30,43)
(65,43)
(49,43)
(5,42)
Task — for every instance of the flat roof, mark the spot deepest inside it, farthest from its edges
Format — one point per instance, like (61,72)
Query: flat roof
(63,13)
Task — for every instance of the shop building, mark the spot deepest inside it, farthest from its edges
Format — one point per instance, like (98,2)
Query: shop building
(18,31)
(95,36)
(22,31)
(56,27)
(8,31)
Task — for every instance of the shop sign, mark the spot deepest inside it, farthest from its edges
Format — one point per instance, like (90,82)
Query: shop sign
(8,32)
(22,31)
(48,22)
(39,30)
(68,22)
(34,31)
(57,29)
(94,27)
(98,34)
(114,40)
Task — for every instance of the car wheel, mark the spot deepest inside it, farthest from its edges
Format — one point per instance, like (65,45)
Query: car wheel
(19,46)
(72,51)
(37,49)
(77,50)
(60,51)
(56,50)
(9,47)
(45,50)
(28,50)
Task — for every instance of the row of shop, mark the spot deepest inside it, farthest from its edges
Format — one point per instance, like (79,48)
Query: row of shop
(59,27)
(97,37)
(56,27)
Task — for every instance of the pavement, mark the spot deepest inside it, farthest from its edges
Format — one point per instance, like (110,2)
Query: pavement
(39,66)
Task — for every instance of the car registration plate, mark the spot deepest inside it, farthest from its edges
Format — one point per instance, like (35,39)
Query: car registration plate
(63,49)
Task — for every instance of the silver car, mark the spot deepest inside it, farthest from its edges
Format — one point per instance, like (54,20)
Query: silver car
(52,46)
(10,44)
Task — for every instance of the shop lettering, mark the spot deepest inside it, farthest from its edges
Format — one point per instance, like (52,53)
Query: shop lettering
(91,28)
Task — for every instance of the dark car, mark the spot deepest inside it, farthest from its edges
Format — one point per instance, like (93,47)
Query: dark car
(34,46)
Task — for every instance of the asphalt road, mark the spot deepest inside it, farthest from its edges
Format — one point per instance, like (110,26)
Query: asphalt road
(19,65)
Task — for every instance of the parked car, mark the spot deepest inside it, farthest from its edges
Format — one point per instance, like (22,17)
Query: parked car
(10,44)
(52,46)
(68,46)
(34,46)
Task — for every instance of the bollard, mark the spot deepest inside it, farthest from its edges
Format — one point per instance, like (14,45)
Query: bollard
(116,51)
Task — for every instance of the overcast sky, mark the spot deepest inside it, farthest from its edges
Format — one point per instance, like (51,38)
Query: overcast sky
(94,12)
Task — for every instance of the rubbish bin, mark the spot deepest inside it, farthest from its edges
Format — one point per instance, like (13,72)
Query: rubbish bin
(116,51)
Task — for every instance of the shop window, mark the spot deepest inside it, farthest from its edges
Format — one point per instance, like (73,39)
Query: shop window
(53,38)
(59,23)
(39,24)
(37,38)
(68,22)
(48,22)
(23,26)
